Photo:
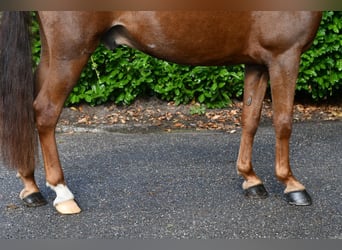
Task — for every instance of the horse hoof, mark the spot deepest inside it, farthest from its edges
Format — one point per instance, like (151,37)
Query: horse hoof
(68,207)
(34,200)
(258,191)
(298,198)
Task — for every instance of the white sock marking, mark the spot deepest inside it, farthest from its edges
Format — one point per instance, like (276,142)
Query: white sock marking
(63,193)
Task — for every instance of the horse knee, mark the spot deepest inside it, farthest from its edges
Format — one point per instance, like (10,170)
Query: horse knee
(250,121)
(283,126)
(250,127)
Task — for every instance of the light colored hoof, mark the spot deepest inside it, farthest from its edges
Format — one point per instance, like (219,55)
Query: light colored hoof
(68,207)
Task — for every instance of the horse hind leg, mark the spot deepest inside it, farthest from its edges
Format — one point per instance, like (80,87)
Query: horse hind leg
(55,82)
(256,79)
(30,195)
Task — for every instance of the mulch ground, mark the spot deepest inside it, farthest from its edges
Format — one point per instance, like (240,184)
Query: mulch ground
(153,113)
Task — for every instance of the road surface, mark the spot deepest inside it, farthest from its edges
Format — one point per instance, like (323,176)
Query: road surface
(182,185)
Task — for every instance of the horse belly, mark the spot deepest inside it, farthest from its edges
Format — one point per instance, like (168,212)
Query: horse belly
(194,38)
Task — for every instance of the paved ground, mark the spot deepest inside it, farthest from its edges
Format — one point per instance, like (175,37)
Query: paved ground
(182,185)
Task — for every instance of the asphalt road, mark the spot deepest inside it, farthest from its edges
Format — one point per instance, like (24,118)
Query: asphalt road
(182,185)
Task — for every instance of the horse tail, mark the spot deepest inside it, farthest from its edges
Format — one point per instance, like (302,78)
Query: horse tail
(18,136)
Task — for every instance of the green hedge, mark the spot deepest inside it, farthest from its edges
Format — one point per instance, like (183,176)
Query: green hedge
(321,66)
(125,74)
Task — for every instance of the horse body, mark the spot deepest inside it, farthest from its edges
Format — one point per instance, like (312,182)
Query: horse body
(268,43)
(201,36)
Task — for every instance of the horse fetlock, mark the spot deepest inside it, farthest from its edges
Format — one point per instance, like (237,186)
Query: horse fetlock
(251,182)
(250,178)
(293,185)
(30,186)
(244,168)
(283,172)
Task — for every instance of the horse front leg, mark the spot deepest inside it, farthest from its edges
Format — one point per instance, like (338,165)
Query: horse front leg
(55,83)
(256,78)
(283,75)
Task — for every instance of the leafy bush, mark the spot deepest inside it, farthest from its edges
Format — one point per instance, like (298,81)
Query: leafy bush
(125,74)
(321,67)
(213,86)
(118,77)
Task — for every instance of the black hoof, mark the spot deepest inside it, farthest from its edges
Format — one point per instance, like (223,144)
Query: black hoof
(258,191)
(34,200)
(298,198)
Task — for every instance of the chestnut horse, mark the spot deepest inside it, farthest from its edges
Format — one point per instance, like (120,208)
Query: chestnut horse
(268,43)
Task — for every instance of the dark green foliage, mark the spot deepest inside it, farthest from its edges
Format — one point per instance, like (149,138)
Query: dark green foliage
(321,66)
(213,86)
(124,74)
(118,77)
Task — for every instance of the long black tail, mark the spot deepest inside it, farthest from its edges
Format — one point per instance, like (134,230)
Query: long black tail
(18,136)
